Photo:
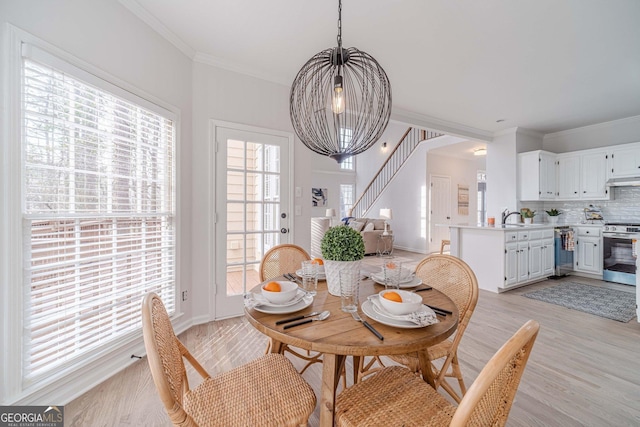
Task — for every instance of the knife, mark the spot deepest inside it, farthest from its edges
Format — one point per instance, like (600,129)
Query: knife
(291,319)
(442,310)
(428,288)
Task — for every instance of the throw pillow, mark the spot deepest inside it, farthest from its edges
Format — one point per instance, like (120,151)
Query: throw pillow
(368,227)
(379,224)
(356,225)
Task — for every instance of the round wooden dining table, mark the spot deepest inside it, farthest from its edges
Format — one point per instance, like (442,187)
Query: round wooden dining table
(340,336)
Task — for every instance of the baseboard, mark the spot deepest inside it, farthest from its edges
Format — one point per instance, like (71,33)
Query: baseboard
(68,385)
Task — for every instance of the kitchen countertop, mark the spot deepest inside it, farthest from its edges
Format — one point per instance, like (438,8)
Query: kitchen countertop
(516,227)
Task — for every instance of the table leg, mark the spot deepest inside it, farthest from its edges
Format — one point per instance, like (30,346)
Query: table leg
(332,366)
(356,368)
(276,346)
(426,368)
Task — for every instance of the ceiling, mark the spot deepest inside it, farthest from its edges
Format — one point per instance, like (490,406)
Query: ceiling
(543,65)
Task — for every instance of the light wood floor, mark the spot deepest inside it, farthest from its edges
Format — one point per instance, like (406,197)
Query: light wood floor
(584,369)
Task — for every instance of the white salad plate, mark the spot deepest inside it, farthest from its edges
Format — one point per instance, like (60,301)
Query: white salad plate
(376,314)
(302,303)
(410,282)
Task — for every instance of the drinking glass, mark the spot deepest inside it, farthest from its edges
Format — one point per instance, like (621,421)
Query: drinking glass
(391,271)
(310,276)
(349,285)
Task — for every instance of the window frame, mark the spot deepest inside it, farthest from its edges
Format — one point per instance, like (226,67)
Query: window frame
(99,363)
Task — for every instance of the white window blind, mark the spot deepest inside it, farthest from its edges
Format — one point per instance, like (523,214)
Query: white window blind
(98,203)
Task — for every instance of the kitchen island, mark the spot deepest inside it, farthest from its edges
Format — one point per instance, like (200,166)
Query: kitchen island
(505,257)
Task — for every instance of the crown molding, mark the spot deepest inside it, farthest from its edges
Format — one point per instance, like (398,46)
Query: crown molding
(603,125)
(153,22)
(444,126)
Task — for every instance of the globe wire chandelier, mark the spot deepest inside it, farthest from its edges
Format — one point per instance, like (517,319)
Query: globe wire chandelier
(340,101)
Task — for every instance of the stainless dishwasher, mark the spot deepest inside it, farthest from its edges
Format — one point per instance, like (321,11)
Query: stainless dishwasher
(564,245)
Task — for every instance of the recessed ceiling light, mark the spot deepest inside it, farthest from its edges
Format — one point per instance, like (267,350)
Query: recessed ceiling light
(500,120)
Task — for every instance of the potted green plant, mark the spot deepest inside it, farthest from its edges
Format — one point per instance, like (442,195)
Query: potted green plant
(342,249)
(527,215)
(553,215)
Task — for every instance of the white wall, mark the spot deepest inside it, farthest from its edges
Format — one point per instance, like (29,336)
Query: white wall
(105,35)
(600,135)
(223,95)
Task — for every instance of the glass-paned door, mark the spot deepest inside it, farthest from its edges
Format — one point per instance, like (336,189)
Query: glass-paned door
(252,208)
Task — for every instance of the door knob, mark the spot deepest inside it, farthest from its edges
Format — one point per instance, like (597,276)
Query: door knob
(284,230)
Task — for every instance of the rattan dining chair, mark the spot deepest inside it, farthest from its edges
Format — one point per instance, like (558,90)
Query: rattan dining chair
(281,259)
(266,391)
(454,278)
(395,396)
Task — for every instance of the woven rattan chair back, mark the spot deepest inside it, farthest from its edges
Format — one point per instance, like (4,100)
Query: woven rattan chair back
(280,259)
(454,278)
(263,392)
(164,354)
(395,396)
(489,399)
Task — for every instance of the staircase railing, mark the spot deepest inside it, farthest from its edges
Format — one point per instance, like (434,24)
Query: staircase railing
(402,151)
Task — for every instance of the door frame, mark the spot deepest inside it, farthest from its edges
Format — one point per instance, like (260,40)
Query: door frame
(214,203)
(432,245)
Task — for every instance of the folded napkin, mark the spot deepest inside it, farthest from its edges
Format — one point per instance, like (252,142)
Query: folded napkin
(423,317)
(250,301)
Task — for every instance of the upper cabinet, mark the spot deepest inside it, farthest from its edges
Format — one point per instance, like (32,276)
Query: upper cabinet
(579,175)
(537,175)
(594,175)
(568,176)
(625,161)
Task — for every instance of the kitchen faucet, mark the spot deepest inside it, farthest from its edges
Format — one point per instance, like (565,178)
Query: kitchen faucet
(506,214)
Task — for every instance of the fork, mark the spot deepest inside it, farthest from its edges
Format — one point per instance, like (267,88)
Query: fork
(357,317)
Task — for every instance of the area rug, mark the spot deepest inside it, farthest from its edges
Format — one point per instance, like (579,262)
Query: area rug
(603,302)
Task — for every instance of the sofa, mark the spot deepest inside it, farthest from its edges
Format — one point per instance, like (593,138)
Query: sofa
(371,229)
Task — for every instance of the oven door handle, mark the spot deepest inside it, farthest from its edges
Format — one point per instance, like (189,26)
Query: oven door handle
(619,236)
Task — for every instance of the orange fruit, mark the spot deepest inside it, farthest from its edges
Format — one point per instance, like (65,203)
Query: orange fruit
(272,287)
(319,261)
(391,265)
(392,296)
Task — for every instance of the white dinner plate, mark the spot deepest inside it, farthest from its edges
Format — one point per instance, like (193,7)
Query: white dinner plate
(266,303)
(302,304)
(370,311)
(409,283)
(321,276)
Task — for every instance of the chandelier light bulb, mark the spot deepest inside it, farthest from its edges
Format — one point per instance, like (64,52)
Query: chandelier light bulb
(337,101)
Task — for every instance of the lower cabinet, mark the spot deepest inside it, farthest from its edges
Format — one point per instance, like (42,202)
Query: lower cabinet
(548,257)
(529,256)
(588,255)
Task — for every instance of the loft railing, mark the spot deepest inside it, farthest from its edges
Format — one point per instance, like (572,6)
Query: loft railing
(402,151)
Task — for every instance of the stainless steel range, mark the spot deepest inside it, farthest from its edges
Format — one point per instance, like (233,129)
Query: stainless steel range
(620,252)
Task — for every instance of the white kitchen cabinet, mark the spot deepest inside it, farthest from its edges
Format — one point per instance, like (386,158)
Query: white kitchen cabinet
(529,256)
(537,175)
(535,259)
(593,171)
(588,250)
(511,264)
(625,161)
(548,257)
(568,177)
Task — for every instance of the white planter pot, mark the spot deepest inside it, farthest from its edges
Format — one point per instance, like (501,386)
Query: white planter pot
(553,219)
(528,220)
(332,270)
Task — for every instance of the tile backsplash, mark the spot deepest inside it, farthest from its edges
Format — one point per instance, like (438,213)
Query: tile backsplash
(624,206)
